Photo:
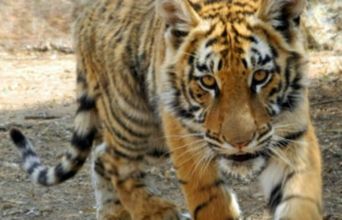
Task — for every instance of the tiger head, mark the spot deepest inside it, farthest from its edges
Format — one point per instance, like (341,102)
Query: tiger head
(234,74)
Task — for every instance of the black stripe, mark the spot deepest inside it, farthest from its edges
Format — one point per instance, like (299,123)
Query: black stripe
(265,60)
(128,100)
(124,142)
(210,136)
(187,97)
(283,26)
(18,138)
(296,84)
(127,129)
(131,145)
(126,156)
(28,153)
(212,1)
(240,35)
(296,20)
(274,51)
(265,141)
(139,185)
(306,198)
(191,130)
(211,42)
(295,135)
(289,138)
(244,62)
(274,91)
(179,33)
(136,120)
(182,182)
(179,110)
(253,39)
(83,143)
(99,168)
(137,176)
(287,72)
(62,174)
(33,167)
(275,197)
(158,153)
(196,6)
(201,206)
(265,132)
(112,201)
(81,79)
(291,100)
(216,183)
(77,161)
(85,104)
(42,177)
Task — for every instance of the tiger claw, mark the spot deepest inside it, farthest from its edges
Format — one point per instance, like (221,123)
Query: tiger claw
(185,216)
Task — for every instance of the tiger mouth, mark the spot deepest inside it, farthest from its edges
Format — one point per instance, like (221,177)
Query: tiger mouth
(242,157)
(238,157)
(265,152)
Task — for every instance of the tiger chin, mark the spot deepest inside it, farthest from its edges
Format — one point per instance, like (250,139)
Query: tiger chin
(217,86)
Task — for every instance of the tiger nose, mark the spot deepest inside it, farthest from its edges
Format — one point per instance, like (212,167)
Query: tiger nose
(239,136)
(241,145)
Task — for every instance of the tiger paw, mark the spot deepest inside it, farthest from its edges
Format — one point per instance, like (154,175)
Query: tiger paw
(114,214)
(158,209)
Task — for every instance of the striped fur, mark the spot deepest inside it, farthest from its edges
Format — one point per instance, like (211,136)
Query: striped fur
(218,85)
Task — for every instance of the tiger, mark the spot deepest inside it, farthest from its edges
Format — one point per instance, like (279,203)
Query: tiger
(217,86)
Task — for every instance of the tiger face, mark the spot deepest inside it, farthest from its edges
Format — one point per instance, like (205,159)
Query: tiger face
(236,78)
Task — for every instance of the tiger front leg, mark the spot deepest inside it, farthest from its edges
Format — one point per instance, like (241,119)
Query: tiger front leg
(127,176)
(206,194)
(108,204)
(294,194)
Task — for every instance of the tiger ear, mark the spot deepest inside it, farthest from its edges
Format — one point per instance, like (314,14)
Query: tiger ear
(283,15)
(179,17)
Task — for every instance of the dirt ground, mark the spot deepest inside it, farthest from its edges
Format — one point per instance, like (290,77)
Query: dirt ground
(37,95)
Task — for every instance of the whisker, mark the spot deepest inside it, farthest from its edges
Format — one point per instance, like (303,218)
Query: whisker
(275,126)
(199,134)
(282,157)
(189,150)
(210,158)
(198,163)
(186,145)
(289,140)
(192,156)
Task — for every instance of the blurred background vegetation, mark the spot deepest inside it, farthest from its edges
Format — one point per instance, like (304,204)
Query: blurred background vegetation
(44,25)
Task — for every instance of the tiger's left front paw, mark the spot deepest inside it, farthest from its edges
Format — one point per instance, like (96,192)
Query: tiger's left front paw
(158,209)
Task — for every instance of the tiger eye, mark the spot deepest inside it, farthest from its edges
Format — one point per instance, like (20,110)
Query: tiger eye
(260,76)
(208,81)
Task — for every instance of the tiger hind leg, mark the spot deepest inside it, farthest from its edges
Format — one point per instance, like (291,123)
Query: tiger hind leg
(108,205)
(127,176)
